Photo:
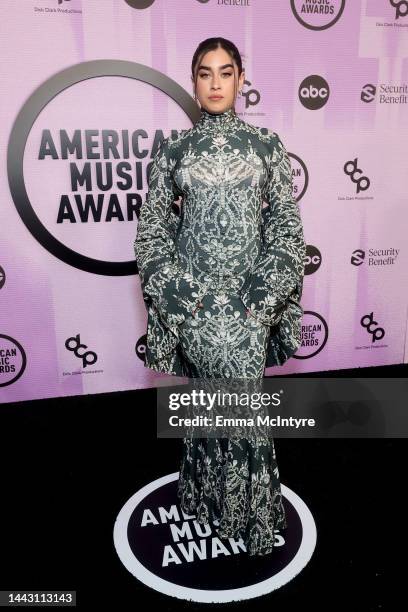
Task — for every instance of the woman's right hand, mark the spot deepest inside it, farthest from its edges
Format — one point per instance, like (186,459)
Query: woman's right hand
(199,305)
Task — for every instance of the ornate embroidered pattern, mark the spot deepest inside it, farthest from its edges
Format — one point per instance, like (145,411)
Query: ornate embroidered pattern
(229,252)
(224,242)
(234,484)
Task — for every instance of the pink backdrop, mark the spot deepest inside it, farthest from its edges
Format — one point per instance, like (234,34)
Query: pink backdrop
(329,77)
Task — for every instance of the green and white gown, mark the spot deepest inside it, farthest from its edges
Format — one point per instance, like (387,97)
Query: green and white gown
(229,251)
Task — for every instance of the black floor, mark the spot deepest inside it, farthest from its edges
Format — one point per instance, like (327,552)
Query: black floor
(68,465)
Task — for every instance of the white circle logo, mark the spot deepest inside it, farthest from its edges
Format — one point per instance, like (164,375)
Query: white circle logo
(172,553)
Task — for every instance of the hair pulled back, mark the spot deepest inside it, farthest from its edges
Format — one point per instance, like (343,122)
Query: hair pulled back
(211,44)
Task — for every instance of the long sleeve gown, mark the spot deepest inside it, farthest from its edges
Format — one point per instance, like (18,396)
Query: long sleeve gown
(245,262)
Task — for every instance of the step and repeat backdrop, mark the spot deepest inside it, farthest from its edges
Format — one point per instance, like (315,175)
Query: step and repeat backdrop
(88,90)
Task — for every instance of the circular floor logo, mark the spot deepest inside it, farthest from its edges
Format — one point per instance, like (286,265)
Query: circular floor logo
(172,553)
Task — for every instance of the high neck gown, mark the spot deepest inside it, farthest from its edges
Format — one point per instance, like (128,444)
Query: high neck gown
(244,260)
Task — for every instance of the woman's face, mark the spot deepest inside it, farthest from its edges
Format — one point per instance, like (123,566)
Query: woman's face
(215,77)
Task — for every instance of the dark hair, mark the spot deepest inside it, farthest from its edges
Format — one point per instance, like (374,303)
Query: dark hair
(211,44)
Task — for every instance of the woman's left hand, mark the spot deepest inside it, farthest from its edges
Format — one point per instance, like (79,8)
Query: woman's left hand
(199,305)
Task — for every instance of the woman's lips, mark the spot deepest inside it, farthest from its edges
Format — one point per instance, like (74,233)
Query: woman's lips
(216,97)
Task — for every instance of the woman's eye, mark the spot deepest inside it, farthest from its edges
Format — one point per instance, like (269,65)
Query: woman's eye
(224,74)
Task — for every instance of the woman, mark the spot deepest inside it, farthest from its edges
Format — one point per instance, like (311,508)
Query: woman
(222,286)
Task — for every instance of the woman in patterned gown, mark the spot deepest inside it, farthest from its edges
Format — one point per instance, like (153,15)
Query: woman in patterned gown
(220,283)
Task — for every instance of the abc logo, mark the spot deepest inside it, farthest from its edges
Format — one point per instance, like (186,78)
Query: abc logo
(313,259)
(314,92)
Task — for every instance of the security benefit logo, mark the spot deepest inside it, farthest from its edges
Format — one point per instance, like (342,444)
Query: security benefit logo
(375,257)
(175,554)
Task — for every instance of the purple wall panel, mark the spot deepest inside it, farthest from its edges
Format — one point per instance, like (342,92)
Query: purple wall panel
(331,78)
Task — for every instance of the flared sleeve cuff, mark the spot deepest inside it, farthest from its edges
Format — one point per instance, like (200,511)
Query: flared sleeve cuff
(176,294)
(266,297)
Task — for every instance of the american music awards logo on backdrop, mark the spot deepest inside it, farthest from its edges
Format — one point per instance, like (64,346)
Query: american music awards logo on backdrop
(2,277)
(314,335)
(13,360)
(317,15)
(300,176)
(175,554)
(79,189)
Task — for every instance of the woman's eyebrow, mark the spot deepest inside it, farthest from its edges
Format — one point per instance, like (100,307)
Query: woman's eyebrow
(220,68)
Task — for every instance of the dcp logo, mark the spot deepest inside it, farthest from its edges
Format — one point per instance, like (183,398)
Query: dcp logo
(401,8)
(74,344)
(372,327)
(351,169)
(251,96)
